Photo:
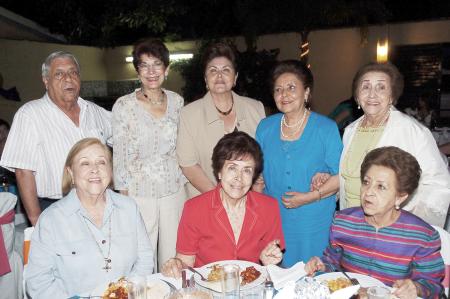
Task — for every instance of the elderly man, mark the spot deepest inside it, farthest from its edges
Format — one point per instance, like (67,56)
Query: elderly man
(44,130)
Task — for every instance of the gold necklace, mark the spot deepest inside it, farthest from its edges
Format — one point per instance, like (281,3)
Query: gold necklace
(107,259)
(299,124)
(373,131)
(155,102)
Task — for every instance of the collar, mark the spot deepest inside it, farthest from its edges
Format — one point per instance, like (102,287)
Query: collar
(72,204)
(82,103)
(211,112)
(216,201)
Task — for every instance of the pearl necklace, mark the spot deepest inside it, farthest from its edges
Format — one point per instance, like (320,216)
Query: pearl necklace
(155,102)
(299,124)
(107,259)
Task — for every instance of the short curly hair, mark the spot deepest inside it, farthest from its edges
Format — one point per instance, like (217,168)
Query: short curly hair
(151,47)
(235,146)
(397,82)
(405,166)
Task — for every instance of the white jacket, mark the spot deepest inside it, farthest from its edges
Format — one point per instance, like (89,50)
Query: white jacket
(432,197)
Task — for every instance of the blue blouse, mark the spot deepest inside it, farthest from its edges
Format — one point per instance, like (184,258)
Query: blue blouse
(64,258)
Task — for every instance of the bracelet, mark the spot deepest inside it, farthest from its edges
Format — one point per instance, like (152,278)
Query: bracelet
(320,194)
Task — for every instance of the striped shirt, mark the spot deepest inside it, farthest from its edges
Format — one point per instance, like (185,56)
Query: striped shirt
(409,248)
(42,135)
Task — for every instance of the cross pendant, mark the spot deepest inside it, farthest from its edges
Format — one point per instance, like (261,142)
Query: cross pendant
(107,266)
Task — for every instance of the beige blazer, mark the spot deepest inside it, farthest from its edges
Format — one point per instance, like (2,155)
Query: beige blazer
(201,128)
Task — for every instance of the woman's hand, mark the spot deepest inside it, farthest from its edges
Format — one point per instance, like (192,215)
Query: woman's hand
(271,255)
(313,265)
(292,200)
(259,185)
(172,268)
(318,180)
(405,288)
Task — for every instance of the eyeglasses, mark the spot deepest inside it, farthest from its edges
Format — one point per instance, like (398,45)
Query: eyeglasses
(379,88)
(59,75)
(157,66)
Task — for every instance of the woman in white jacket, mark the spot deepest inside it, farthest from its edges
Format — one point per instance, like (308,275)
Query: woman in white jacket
(376,88)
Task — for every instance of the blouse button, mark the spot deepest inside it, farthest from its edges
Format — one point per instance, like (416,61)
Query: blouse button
(73,252)
(103,241)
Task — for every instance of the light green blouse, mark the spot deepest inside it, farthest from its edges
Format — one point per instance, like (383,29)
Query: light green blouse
(363,142)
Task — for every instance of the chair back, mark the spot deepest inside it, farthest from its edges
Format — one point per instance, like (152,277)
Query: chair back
(445,253)
(26,243)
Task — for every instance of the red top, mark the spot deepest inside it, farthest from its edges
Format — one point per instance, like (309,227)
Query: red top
(205,231)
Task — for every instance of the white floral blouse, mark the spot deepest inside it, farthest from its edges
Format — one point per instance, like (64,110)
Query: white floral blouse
(145,161)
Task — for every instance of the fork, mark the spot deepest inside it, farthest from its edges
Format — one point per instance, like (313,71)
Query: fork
(354,281)
(195,271)
(171,286)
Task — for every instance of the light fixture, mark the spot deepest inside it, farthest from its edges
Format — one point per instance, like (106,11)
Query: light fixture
(172,57)
(382,51)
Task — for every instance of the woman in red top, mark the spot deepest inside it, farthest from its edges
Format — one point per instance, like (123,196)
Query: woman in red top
(230,222)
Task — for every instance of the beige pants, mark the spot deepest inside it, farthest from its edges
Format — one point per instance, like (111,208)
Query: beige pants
(161,218)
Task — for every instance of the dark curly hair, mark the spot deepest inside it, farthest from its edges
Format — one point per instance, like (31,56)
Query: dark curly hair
(235,146)
(405,166)
(150,46)
(389,69)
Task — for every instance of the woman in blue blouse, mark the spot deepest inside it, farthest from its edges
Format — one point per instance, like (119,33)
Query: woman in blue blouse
(298,143)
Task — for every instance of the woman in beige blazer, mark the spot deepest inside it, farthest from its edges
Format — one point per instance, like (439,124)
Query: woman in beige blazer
(205,121)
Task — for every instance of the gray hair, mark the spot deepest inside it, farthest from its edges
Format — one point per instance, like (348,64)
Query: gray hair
(58,54)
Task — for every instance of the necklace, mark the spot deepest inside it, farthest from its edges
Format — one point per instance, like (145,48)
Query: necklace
(228,111)
(383,120)
(155,102)
(299,124)
(107,258)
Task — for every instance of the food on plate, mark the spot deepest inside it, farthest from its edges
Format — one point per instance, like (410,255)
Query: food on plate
(117,290)
(249,275)
(338,283)
(216,273)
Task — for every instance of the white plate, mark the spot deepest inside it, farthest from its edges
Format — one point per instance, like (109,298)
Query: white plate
(156,289)
(364,280)
(215,286)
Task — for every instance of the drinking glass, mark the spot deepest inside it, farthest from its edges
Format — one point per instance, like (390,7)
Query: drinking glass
(230,281)
(137,287)
(378,293)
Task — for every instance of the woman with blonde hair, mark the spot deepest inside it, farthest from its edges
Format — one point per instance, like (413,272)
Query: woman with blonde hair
(89,237)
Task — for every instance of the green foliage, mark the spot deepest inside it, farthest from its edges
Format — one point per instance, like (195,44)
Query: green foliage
(253,68)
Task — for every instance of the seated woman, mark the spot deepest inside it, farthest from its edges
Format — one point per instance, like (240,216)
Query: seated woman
(379,238)
(89,237)
(230,222)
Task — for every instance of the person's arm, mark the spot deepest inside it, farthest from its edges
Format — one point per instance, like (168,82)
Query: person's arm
(28,194)
(40,279)
(295,199)
(144,264)
(428,268)
(198,178)
(120,140)
(445,148)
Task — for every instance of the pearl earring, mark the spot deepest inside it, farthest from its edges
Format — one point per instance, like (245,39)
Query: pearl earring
(397,207)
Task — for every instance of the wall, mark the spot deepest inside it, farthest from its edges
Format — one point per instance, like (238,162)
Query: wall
(334,57)
(20,66)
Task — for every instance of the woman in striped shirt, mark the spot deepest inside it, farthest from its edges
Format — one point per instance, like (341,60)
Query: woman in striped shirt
(380,239)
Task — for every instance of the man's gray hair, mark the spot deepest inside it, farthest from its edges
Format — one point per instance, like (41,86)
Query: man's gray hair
(58,54)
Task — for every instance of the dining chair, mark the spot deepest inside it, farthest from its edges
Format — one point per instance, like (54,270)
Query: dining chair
(26,252)
(445,253)
(11,262)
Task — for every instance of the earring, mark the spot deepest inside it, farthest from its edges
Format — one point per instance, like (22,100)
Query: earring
(207,87)
(165,77)
(359,107)
(397,207)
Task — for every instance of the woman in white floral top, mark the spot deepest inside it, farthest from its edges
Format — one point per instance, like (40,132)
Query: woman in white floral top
(145,126)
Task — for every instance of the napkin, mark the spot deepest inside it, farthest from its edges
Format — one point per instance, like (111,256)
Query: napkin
(288,292)
(345,293)
(280,276)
